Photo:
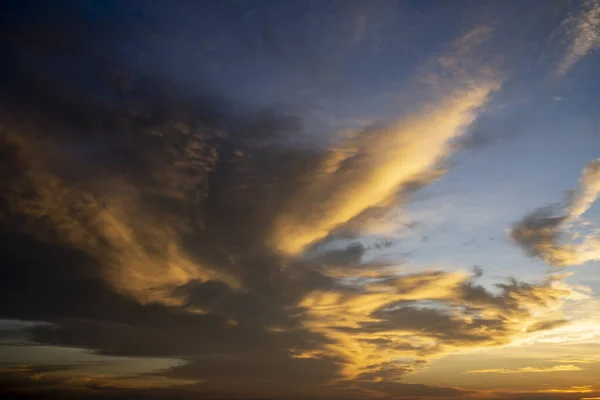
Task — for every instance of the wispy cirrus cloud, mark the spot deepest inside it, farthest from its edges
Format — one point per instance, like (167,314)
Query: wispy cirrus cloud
(366,172)
(374,166)
(582,31)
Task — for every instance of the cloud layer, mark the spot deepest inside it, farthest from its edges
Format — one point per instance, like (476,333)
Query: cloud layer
(140,222)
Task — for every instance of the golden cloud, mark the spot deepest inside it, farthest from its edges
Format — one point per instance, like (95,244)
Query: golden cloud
(374,165)
(105,218)
(555,368)
(379,327)
(572,389)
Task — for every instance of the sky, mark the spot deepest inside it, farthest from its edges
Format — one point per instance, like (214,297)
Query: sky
(300,200)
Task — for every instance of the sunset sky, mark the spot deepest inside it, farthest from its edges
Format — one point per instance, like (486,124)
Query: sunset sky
(300,199)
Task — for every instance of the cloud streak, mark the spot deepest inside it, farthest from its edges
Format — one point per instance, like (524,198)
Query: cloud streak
(583,34)
(528,370)
(374,166)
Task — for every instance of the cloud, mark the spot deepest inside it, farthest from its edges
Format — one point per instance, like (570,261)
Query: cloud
(67,376)
(464,46)
(580,360)
(546,325)
(582,30)
(390,388)
(572,389)
(423,316)
(185,228)
(362,177)
(141,255)
(135,238)
(555,368)
(374,166)
(159,197)
(545,233)
(587,193)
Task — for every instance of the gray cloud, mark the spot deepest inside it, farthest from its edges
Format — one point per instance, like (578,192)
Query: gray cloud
(550,232)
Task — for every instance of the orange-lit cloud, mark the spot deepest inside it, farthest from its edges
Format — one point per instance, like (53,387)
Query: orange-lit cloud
(369,169)
(580,360)
(572,389)
(555,368)
(374,165)
(140,251)
(549,234)
(389,327)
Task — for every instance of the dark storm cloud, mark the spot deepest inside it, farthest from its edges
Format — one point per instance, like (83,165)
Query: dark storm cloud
(171,151)
(209,175)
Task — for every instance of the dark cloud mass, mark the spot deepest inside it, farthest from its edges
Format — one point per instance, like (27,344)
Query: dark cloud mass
(140,221)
